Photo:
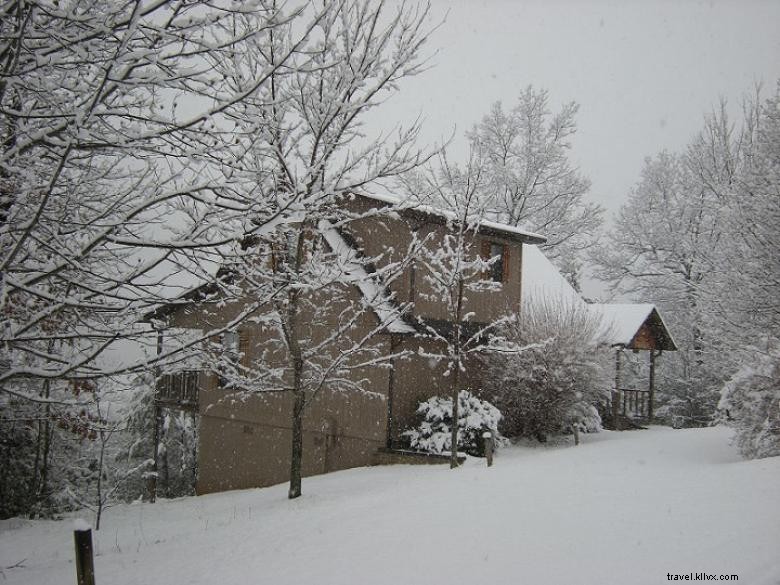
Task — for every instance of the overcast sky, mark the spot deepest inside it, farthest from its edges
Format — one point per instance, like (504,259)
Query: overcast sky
(644,72)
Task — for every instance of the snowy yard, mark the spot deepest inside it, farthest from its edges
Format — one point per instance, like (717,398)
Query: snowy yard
(623,508)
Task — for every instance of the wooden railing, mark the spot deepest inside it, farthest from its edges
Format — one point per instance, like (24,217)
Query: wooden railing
(179,390)
(635,403)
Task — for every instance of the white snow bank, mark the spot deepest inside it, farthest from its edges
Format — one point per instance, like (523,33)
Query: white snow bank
(621,508)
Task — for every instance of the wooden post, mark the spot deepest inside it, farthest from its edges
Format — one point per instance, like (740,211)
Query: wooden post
(85,568)
(487,438)
(651,394)
(616,393)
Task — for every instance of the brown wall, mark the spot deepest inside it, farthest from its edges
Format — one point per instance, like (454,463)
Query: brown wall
(391,236)
(245,439)
(249,445)
(418,379)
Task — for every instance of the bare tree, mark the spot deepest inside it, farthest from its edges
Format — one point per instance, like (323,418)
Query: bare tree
(118,167)
(532,182)
(681,240)
(454,267)
(308,152)
(750,397)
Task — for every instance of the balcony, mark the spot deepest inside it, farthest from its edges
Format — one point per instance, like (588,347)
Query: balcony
(178,390)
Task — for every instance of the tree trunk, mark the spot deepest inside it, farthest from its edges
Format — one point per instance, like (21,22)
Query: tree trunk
(651,389)
(100,498)
(391,393)
(616,421)
(296,459)
(195,435)
(41,470)
(290,328)
(456,377)
(454,426)
(152,478)
(166,472)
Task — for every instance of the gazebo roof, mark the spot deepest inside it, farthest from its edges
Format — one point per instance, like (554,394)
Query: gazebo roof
(634,326)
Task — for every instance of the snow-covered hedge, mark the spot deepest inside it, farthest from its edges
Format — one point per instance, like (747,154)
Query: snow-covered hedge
(475,416)
(751,404)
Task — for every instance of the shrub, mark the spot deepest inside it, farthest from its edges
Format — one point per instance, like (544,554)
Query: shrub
(750,401)
(555,382)
(475,416)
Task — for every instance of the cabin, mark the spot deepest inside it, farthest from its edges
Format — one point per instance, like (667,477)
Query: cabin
(245,438)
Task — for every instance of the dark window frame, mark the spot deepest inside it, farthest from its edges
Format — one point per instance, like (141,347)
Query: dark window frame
(498,270)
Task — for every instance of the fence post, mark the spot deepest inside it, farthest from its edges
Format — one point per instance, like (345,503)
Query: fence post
(487,438)
(85,567)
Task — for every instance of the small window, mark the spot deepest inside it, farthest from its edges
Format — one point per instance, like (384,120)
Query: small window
(499,269)
(284,251)
(243,347)
(230,344)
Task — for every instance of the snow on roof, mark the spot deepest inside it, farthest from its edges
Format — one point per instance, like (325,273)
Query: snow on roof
(541,279)
(373,293)
(622,321)
(408,205)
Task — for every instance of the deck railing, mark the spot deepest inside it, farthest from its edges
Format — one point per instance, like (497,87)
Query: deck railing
(179,390)
(635,403)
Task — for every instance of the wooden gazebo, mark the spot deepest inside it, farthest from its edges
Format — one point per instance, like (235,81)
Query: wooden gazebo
(638,327)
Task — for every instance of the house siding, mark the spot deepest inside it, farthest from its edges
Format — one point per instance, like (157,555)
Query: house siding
(245,439)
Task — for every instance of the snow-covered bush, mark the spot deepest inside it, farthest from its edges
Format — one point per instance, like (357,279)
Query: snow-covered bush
(555,382)
(475,416)
(750,401)
(583,416)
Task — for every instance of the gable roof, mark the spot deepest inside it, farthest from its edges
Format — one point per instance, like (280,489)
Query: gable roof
(486,227)
(374,294)
(623,323)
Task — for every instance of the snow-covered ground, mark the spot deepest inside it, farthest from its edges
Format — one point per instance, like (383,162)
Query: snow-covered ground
(622,508)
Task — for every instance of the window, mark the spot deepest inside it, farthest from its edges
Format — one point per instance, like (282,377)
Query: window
(235,350)
(230,343)
(499,269)
(236,346)
(284,251)
(243,347)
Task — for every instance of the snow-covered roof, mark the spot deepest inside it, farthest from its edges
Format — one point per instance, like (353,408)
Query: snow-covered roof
(408,205)
(374,293)
(541,279)
(622,321)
